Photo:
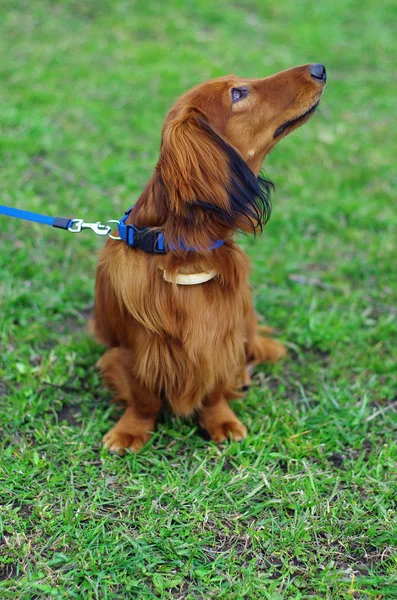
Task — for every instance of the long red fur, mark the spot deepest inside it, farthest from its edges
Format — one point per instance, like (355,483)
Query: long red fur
(187,346)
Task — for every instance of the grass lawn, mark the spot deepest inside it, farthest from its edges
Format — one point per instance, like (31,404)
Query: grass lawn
(305,507)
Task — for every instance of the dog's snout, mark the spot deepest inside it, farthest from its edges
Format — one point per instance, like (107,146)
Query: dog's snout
(317,71)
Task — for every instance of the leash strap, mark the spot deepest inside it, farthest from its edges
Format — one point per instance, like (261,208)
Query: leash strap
(59,222)
(72,225)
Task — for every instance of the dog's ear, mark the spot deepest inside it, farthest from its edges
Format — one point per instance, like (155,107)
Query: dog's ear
(206,178)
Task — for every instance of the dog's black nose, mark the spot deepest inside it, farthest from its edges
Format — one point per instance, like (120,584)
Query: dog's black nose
(318,72)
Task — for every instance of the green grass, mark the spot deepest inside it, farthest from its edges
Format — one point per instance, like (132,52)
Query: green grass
(305,507)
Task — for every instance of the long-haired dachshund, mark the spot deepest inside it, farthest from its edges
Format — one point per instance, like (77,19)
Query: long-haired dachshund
(175,310)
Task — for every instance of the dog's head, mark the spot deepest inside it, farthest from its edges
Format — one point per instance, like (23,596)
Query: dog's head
(215,139)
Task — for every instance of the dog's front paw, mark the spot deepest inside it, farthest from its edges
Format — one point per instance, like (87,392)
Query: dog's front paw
(120,441)
(221,432)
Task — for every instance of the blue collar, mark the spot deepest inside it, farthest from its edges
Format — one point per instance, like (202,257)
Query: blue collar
(152,241)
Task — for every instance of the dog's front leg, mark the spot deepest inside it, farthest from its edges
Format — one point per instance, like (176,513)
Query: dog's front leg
(131,432)
(216,417)
(137,424)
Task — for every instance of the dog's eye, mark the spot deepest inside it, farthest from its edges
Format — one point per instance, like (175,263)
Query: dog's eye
(239,94)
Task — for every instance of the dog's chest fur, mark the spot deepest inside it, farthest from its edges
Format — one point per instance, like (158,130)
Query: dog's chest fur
(184,340)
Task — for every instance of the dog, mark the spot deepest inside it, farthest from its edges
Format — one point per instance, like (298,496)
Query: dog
(179,325)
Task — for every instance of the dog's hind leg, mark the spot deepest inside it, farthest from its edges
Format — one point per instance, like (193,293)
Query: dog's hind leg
(137,424)
(258,346)
(218,419)
(264,349)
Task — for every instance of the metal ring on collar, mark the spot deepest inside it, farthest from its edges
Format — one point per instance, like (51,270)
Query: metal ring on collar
(113,237)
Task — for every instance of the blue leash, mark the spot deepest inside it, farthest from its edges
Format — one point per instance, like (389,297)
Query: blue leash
(59,222)
(143,238)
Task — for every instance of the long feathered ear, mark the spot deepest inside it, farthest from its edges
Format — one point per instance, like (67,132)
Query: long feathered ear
(208,182)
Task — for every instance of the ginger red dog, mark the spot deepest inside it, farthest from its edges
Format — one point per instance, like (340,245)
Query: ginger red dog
(180,326)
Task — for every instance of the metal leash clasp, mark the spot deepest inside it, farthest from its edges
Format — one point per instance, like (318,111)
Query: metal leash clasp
(98,228)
